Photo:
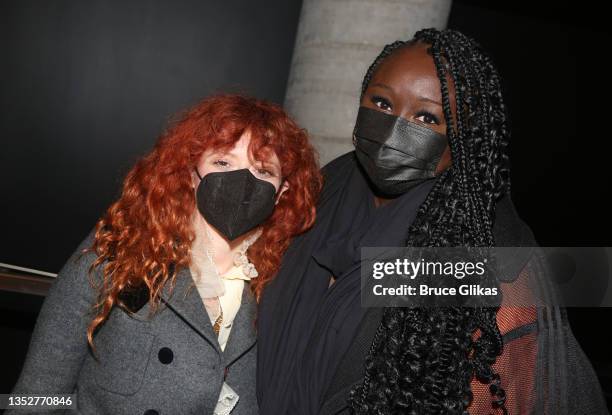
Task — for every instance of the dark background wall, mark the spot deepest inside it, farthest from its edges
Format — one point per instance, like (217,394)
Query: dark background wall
(86,87)
(550,55)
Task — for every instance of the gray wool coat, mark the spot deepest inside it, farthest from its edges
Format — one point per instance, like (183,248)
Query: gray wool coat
(168,364)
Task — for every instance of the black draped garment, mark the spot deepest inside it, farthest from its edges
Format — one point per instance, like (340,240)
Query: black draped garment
(313,337)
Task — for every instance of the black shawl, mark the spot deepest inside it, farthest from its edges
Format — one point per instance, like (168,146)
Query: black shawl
(313,339)
(305,327)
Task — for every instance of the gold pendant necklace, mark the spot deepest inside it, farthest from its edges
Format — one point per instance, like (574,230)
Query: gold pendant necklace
(218,321)
(210,254)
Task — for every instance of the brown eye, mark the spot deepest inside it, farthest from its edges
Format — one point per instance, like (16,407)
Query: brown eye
(381,103)
(264,172)
(427,118)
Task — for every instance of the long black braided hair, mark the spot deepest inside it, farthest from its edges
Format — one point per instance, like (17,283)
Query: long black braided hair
(422,360)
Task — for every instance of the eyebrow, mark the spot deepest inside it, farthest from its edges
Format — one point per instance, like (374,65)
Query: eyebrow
(421,98)
(224,153)
(384,86)
(267,165)
(433,101)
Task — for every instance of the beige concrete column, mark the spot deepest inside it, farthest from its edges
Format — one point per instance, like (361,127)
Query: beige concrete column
(336,42)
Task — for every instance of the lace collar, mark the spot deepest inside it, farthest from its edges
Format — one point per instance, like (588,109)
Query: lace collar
(204,271)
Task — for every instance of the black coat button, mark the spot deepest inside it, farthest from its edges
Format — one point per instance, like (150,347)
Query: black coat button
(165,355)
(151,412)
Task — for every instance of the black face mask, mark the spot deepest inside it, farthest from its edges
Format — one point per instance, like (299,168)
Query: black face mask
(395,153)
(234,202)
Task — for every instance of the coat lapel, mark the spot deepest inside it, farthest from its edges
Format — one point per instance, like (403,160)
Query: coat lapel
(243,334)
(185,301)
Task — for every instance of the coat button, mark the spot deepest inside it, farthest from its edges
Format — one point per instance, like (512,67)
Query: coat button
(151,412)
(165,355)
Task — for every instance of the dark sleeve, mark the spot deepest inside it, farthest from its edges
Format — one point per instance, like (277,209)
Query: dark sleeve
(59,341)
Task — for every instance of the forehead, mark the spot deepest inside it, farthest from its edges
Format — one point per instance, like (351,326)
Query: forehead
(409,69)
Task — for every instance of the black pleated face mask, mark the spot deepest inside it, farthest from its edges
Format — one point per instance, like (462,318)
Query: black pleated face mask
(395,153)
(234,202)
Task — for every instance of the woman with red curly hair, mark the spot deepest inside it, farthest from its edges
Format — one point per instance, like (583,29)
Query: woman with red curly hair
(155,311)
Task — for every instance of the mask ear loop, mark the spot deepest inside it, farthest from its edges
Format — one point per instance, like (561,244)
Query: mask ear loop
(198,173)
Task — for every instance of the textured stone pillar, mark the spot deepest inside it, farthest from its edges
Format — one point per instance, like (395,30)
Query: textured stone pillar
(335,43)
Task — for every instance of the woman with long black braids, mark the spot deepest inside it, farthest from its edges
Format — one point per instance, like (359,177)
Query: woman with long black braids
(430,169)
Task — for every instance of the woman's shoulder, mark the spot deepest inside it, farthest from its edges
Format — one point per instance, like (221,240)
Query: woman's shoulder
(339,164)
(335,174)
(77,278)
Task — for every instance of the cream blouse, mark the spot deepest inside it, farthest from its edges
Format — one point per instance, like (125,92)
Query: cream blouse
(225,305)
(233,281)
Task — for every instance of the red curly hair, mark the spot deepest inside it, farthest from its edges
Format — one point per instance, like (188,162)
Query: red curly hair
(146,235)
